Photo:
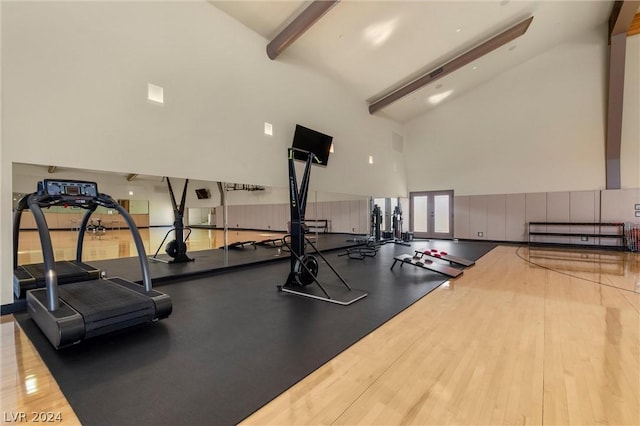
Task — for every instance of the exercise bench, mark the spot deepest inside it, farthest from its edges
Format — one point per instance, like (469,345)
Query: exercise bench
(426,264)
(445,256)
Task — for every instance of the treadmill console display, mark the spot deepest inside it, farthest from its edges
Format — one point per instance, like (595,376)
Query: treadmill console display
(69,188)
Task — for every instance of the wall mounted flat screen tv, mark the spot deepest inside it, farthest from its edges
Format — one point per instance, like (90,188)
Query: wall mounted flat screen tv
(203,194)
(312,141)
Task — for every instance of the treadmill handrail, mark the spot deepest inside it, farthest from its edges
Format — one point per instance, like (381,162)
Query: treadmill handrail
(50,276)
(81,231)
(107,201)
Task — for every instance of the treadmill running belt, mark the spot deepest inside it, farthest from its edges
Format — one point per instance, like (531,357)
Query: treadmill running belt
(102,300)
(65,270)
(29,277)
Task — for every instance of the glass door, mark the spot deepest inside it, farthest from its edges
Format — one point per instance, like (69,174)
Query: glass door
(431,214)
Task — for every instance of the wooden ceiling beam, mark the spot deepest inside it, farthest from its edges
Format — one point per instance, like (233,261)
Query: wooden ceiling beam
(453,65)
(634,28)
(621,17)
(299,26)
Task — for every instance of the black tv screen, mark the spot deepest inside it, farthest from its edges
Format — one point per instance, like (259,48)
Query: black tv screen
(312,141)
(203,194)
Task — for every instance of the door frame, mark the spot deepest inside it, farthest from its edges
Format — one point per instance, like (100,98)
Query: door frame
(431,214)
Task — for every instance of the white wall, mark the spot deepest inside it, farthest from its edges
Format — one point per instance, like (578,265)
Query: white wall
(74,78)
(537,127)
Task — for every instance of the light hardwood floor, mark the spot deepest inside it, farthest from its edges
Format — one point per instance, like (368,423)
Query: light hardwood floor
(527,336)
(117,243)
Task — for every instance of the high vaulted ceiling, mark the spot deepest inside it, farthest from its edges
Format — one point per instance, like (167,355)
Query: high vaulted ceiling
(374,47)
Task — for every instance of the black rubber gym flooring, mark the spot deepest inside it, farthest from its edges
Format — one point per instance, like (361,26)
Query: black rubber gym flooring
(233,342)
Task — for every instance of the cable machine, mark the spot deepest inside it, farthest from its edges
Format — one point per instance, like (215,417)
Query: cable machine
(396,225)
(304,267)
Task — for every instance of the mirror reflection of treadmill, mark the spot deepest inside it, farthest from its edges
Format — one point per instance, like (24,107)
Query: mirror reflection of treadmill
(32,276)
(86,308)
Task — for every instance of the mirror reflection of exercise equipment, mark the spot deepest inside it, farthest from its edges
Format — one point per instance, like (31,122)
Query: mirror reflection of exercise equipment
(96,228)
(305,267)
(86,306)
(176,248)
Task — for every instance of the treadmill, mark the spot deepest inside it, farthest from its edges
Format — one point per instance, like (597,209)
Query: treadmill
(32,276)
(83,309)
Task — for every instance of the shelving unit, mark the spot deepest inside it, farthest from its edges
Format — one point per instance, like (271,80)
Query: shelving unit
(319,225)
(596,234)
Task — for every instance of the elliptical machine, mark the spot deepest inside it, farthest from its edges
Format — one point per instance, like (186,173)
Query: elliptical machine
(176,248)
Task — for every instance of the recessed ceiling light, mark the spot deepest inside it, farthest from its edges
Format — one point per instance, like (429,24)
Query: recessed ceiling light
(378,33)
(475,67)
(268,129)
(331,148)
(130,192)
(458,30)
(435,99)
(371,159)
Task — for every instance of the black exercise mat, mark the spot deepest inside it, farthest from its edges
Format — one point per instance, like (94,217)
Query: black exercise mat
(233,342)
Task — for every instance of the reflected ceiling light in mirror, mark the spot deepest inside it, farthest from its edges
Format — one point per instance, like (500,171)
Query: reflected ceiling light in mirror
(155,93)
(31,384)
(439,97)
(268,129)
(377,34)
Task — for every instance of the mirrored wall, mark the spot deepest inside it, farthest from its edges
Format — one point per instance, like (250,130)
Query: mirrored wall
(218,214)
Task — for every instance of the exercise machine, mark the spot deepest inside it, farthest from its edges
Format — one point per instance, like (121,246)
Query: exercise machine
(396,226)
(93,228)
(176,248)
(376,222)
(32,276)
(304,266)
(368,248)
(396,223)
(80,310)
(241,245)
(428,264)
(271,243)
(453,260)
